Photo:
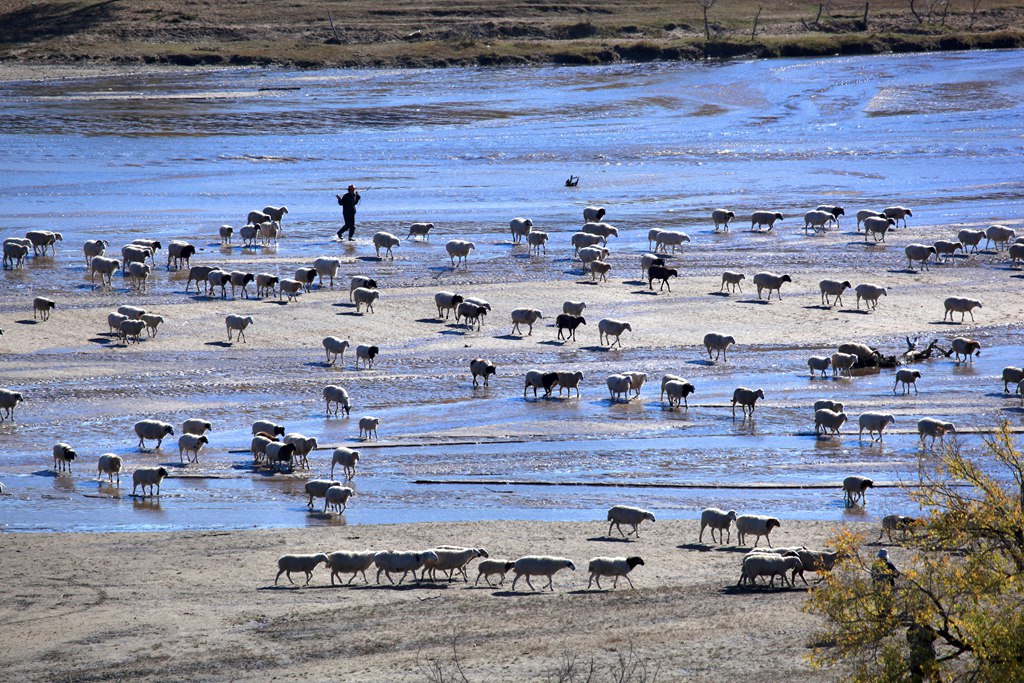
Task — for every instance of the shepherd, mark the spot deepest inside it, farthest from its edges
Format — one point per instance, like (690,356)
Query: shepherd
(348,203)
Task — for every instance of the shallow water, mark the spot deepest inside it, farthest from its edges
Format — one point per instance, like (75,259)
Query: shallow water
(176,156)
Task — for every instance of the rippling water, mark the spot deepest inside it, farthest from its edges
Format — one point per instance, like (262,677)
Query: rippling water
(178,155)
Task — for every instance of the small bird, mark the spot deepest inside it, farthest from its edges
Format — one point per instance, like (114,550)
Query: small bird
(884,570)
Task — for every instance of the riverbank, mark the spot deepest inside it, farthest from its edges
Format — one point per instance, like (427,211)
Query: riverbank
(190,605)
(363,34)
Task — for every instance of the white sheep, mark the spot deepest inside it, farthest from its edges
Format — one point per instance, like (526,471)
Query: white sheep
(138,276)
(537,241)
(446,302)
(715,518)
(103,266)
(338,396)
(604,230)
(306,276)
(758,525)
(936,429)
(226,232)
(179,254)
(420,230)
(347,458)
(489,568)
(358,281)
(240,280)
(569,381)
(257,217)
(480,367)
(540,380)
(317,488)
(877,225)
(908,378)
(612,566)
(387,242)
(618,386)
(918,252)
(759,218)
(637,380)
(289,288)
(286,564)
(452,559)
(866,213)
(818,364)
(677,391)
(237,323)
(818,220)
(279,454)
(897,213)
(589,254)
(1011,375)
(258,448)
(367,354)
(970,238)
(191,443)
(1016,253)
(836,211)
(855,488)
(648,260)
(267,427)
(458,250)
(520,228)
(276,213)
(747,399)
(670,238)
(828,420)
(944,248)
(835,406)
(472,312)
(389,561)
(132,312)
(601,268)
(114,321)
(525,316)
(721,218)
(963,306)
(350,562)
(582,240)
(539,565)
(249,233)
(42,306)
(574,308)
(771,282)
(874,422)
(9,399)
(196,426)
(652,236)
(626,514)
(593,214)
(719,343)
(93,248)
(63,456)
(842,364)
(110,465)
(368,427)
(901,523)
(326,266)
(337,497)
(998,234)
(365,297)
(131,330)
(199,274)
(870,293)
(731,280)
(43,240)
(769,565)
(968,348)
(134,253)
(612,328)
(152,430)
(148,476)
(304,445)
(335,347)
(15,255)
(833,288)
(269,231)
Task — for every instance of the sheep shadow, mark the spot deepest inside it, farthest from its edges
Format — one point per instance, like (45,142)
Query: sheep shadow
(461,332)
(319,364)
(520,594)
(1012,409)
(554,342)
(46,473)
(101,340)
(649,292)
(609,539)
(904,270)
(345,305)
(946,322)
(725,294)
(818,307)
(27,322)
(762,302)
(517,337)
(706,363)
(430,321)
(276,303)
(596,348)
(760,588)
(637,283)
(705,548)
(586,282)
(220,344)
(854,311)
(374,259)
(352,313)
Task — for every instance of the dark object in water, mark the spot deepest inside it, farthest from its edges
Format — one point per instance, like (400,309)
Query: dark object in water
(573,181)
(933,349)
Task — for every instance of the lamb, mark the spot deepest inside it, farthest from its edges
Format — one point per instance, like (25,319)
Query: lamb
(670,238)
(648,260)
(897,213)
(199,274)
(918,252)
(603,229)
(420,230)
(335,347)
(855,488)
(570,381)
(612,328)
(870,293)
(970,238)
(956,304)
(901,523)
(238,324)
(43,240)
(267,427)
(269,230)
(660,273)
(758,525)
(368,427)
(625,514)
(257,217)
(677,390)
(42,306)
(347,458)
(446,302)
(317,488)
(110,465)
(367,354)
(131,330)
(337,497)
(612,566)
(472,313)
(1011,375)
(968,348)
(191,443)
(836,211)
(945,248)
(226,232)
(771,282)
(489,568)
(365,297)
(179,252)
(824,403)
(15,255)
(196,426)
(537,241)
(564,321)
(114,321)
(539,565)
(540,380)
(998,234)
(573,308)
(716,518)
(719,343)
(152,430)
(458,250)
(593,214)
(304,445)
(93,248)
(286,564)
(759,218)
(389,561)
(148,476)
(908,378)
(525,316)
(652,236)
(731,280)
(818,220)
(769,565)
(480,367)
(828,420)
(877,226)
(747,398)
(865,213)
(582,240)
(833,288)
(520,227)
(276,213)
(452,559)
(138,276)
(600,268)
(306,277)
(9,400)
(103,266)
(818,364)
(618,385)
(842,364)
(874,422)
(289,288)
(350,562)
(338,396)
(589,254)
(218,278)
(63,456)
(387,242)
(929,426)
(721,218)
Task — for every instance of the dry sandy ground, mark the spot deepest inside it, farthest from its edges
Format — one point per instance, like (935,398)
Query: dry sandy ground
(203,606)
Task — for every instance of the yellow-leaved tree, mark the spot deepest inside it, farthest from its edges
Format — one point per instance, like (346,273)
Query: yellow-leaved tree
(956,611)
